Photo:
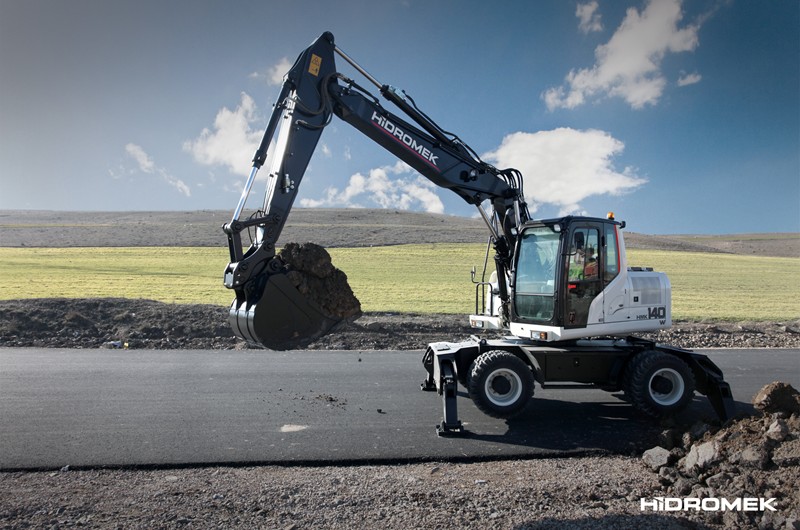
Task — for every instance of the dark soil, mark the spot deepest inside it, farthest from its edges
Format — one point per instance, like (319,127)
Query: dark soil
(117,322)
(311,271)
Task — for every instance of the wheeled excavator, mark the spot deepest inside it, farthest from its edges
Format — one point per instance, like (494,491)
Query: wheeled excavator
(561,288)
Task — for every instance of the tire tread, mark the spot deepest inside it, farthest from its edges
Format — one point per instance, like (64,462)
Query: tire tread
(637,378)
(489,361)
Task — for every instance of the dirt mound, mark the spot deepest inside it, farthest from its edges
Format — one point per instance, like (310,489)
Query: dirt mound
(113,322)
(778,397)
(754,457)
(311,271)
(147,324)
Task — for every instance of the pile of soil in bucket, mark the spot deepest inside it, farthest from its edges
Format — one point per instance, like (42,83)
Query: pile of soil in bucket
(311,271)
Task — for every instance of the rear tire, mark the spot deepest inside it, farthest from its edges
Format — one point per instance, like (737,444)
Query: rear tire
(500,384)
(658,384)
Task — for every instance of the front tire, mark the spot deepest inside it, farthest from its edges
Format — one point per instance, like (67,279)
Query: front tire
(500,384)
(658,384)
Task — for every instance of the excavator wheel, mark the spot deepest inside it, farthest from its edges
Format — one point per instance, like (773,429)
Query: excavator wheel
(282,319)
(658,384)
(500,384)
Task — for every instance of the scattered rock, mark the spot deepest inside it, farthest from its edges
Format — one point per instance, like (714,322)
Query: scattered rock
(787,454)
(778,397)
(682,485)
(157,325)
(753,456)
(718,481)
(700,457)
(656,458)
(777,431)
(668,474)
(756,456)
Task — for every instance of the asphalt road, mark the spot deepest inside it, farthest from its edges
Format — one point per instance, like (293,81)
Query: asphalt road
(87,408)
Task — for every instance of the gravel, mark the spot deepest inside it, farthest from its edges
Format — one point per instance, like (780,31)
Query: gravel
(580,492)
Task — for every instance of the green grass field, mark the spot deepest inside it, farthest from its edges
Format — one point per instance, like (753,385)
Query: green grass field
(407,278)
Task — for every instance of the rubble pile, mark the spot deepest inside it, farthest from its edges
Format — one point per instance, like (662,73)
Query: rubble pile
(311,271)
(138,324)
(756,457)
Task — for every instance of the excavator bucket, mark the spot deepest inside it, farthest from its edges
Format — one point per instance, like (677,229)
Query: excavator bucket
(300,302)
(282,319)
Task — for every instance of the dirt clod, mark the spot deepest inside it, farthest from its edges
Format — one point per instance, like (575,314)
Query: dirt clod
(310,269)
(778,397)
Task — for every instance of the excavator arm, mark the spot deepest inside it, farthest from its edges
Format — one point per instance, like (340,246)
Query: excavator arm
(268,310)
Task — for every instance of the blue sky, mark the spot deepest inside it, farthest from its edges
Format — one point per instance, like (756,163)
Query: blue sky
(682,117)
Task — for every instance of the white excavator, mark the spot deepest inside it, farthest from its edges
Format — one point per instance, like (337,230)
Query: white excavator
(561,289)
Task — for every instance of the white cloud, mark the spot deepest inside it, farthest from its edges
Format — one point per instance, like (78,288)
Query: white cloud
(179,185)
(588,17)
(326,150)
(689,79)
(383,188)
(565,166)
(146,165)
(232,142)
(274,74)
(561,167)
(118,172)
(629,64)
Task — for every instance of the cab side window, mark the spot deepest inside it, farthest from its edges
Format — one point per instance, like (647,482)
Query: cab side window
(611,253)
(583,254)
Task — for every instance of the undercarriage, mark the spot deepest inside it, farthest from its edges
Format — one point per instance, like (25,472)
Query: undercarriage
(499,375)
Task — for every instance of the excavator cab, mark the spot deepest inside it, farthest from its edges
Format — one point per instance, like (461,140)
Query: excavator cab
(570,280)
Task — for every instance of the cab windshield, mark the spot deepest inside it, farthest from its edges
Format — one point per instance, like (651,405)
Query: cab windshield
(535,274)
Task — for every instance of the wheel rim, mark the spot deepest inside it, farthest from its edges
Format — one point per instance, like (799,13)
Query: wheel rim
(666,387)
(503,387)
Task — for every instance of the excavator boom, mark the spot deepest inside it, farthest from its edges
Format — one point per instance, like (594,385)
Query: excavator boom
(268,309)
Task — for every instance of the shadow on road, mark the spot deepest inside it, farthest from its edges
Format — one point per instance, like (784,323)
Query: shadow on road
(597,426)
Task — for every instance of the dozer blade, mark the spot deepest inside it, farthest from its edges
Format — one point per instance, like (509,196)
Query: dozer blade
(282,319)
